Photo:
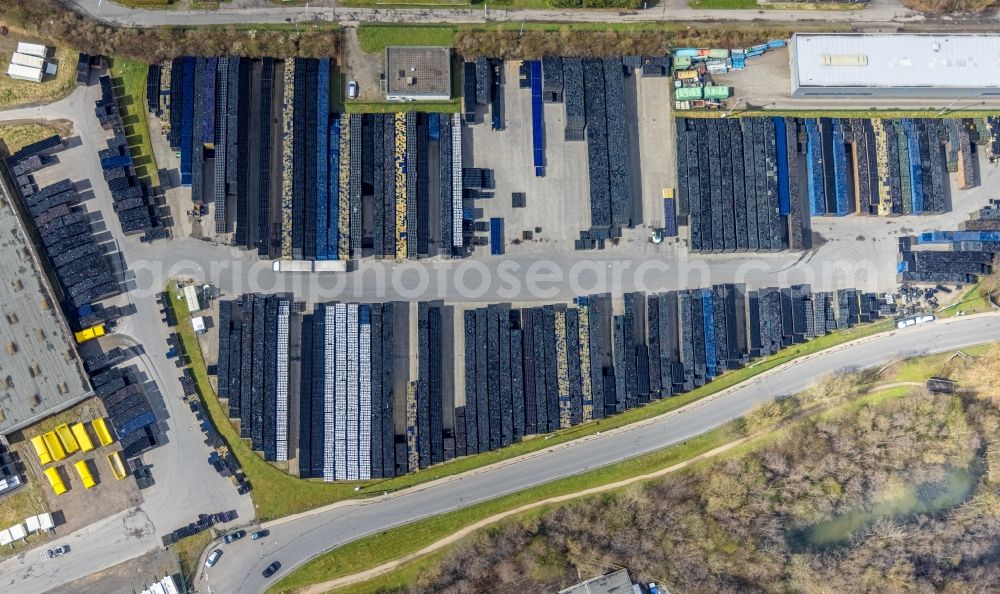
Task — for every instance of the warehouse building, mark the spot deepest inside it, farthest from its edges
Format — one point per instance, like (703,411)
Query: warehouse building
(418,73)
(957,66)
(41,372)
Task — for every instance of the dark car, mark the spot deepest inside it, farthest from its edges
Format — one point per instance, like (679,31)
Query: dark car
(271,569)
(234,536)
(259,534)
(57,552)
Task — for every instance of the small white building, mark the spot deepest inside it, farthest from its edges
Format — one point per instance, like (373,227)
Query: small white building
(191,296)
(198,324)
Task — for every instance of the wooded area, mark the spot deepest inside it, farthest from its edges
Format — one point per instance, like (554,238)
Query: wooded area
(890,492)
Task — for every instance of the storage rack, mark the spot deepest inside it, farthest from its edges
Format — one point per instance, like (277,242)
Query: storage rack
(287,159)
(402,186)
(364,392)
(281,395)
(412,179)
(576,116)
(221,143)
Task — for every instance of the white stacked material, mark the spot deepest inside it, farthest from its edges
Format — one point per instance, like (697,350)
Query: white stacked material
(329,395)
(281,420)
(32,49)
(352,392)
(17,532)
(19,72)
(365,404)
(340,421)
(45,521)
(5,538)
(32,524)
(456,180)
(164,586)
(27,60)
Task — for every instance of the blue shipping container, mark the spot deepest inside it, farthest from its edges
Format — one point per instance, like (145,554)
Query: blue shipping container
(814,169)
(496,236)
(781,149)
(708,312)
(537,118)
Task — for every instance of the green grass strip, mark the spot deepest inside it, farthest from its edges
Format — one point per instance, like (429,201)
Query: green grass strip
(132,104)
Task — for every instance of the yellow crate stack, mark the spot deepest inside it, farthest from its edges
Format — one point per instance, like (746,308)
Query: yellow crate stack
(287,155)
(400,186)
(562,370)
(588,393)
(412,454)
(882,163)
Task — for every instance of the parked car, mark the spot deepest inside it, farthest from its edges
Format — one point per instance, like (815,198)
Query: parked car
(352,89)
(233,536)
(57,552)
(271,569)
(213,558)
(259,534)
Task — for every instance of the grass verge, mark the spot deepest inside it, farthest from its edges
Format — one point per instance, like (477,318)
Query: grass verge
(975,300)
(375,38)
(14,137)
(277,494)
(453,106)
(188,551)
(863,112)
(130,83)
(397,542)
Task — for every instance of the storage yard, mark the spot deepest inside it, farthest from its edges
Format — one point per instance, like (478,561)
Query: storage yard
(357,391)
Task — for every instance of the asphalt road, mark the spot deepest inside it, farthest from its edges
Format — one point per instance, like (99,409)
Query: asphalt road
(185,483)
(248,11)
(294,541)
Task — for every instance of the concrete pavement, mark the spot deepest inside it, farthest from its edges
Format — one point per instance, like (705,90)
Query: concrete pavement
(295,541)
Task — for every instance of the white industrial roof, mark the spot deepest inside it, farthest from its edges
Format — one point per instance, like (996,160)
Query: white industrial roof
(898,60)
(27,60)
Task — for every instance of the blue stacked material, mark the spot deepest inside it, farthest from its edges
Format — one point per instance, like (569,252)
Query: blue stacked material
(323,159)
(775,43)
(135,423)
(537,118)
(208,103)
(434,126)
(784,196)
(841,174)
(708,318)
(669,217)
(814,169)
(916,171)
(187,119)
(114,162)
(496,236)
(954,236)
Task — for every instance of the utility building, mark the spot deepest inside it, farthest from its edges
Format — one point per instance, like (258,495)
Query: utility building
(957,66)
(417,73)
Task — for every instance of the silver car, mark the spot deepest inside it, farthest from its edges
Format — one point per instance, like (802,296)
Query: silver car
(213,558)
(352,89)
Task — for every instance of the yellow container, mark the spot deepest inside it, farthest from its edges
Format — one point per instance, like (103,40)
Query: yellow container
(41,450)
(84,471)
(66,438)
(686,75)
(82,437)
(90,333)
(55,480)
(117,466)
(101,429)
(55,448)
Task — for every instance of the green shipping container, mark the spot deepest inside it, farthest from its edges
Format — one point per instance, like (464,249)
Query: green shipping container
(720,54)
(682,62)
(716,92)
(688,93)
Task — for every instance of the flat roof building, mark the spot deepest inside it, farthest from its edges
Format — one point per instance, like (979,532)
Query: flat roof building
(417,73)
(617,582)
(915,65)
(22,72)
(40,371)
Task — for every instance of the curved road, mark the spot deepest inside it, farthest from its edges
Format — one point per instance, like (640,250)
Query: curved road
(297,539)
(237,12)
